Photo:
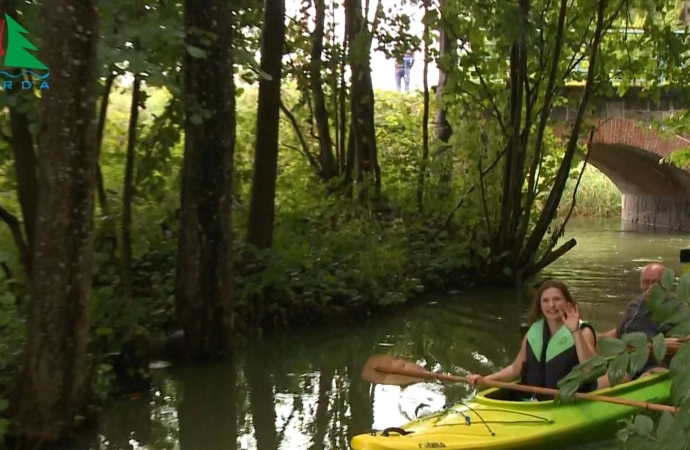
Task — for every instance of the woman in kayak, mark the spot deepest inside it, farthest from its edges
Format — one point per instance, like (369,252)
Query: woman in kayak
(556,342)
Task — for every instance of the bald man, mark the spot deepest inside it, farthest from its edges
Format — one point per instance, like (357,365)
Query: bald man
(638,318)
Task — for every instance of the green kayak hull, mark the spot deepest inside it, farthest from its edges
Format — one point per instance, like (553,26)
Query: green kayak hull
(486,422)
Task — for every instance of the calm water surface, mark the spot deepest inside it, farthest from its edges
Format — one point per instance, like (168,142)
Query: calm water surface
(303,390)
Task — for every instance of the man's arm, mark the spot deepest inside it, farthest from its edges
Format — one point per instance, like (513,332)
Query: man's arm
(612,333)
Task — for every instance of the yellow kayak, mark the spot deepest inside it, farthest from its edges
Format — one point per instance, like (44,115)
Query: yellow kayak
(487,422)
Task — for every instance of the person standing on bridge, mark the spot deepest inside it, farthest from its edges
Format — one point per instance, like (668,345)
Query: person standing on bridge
(403,65)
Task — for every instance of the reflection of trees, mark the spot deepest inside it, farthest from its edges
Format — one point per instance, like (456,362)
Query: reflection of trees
(359,394)
(307,387)
(149,420)
(262,402)
(207,407)
(323,407)
(126,421)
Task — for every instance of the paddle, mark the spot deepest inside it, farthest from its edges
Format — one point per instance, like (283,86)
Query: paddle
(389,370)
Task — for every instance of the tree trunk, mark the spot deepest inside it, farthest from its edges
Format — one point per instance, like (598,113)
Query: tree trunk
(363,130)
(109,224)
(442,126)
(425,116)
(329,165)
(128,191)
(53,386)
(25,165)
(262,206)
(203,297)
(102,117)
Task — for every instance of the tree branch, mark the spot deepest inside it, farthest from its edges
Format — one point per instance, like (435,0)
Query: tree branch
(300,137)
(16,230)
(550,257)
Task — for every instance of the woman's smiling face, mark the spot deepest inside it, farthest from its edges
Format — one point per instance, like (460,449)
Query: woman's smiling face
(552,302)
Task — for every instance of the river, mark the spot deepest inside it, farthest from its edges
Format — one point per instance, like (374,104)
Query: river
(303,390)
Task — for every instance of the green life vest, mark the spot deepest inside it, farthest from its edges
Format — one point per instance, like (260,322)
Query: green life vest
(559,342)
(544,367)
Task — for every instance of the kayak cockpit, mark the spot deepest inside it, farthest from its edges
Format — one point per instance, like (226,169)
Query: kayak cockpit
(497,396)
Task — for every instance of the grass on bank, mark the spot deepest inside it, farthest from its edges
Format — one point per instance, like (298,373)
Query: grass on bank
(597,196)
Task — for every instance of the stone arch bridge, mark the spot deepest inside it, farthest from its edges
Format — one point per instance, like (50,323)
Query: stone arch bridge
(628,152)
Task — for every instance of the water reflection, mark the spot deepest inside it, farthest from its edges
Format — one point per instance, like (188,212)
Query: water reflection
(303,390)
(207,403)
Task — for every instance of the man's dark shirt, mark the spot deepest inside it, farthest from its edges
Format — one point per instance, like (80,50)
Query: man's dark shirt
(638,318)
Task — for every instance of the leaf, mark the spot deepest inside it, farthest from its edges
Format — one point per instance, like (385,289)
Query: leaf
(636,339)
(591,369)
(609,346)
(681,360)
(683,290)
(665,310)
(7,299)
(644,425)
(5,318)
(638,359)
(659,346)
(103,331)
(567,390)
(594,367)
(667,279)
(656,296)
(4,404)
(195,52)
(682,313)
(617,368)
(662,304)
(265,76)
(665,423)
(680,388)
(680,330)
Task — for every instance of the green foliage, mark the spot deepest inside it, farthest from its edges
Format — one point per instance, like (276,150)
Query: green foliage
(322,263)
(627,355)
(597,196)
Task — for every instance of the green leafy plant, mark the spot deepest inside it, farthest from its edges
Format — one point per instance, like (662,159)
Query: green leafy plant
(619,357)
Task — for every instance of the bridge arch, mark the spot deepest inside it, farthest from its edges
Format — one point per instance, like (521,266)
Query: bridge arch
(629,154)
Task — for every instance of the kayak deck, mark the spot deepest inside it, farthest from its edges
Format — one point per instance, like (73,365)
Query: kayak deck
(486,422)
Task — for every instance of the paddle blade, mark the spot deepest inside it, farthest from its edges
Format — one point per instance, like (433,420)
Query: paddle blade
(389,370)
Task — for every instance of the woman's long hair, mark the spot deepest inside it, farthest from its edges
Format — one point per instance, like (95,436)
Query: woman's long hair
(535,312)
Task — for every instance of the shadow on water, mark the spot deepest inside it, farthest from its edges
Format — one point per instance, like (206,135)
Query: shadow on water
(302,390)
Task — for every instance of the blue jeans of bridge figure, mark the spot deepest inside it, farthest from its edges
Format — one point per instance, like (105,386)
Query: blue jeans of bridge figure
(403,72)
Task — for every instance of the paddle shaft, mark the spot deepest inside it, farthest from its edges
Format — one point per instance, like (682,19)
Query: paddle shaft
(424,374)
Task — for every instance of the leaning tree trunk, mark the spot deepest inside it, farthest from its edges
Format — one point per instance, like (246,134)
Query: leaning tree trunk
(204,274)
(53,385)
